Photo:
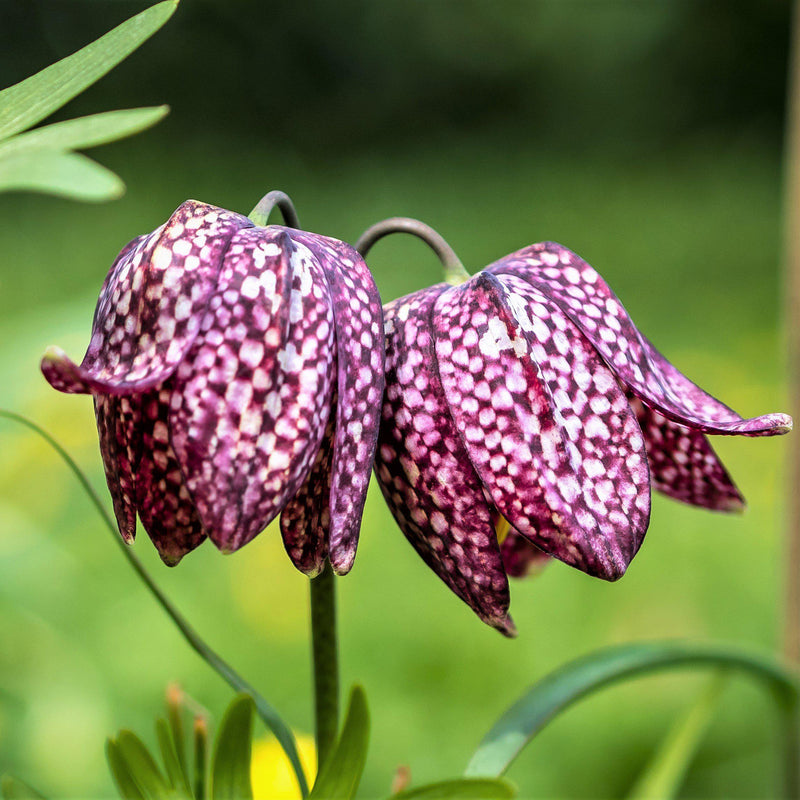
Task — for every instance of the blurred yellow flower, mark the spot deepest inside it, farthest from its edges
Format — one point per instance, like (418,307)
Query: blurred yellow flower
(270,772)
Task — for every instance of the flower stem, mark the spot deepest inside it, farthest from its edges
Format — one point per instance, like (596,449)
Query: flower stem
(325,657)
(454,271)
(268,714)
(268,203)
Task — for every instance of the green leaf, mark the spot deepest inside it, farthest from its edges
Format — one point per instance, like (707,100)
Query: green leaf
(78,134)
(339,776)
(14,789)
(30,101)
(126,785)
(175,718)
(664,776)
(568,684)
(142,767)
(200,757)
(230,770)
(461,789)
(169,754)
(64,174)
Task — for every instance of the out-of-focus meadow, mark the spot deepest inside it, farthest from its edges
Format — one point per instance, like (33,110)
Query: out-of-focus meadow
(646,137)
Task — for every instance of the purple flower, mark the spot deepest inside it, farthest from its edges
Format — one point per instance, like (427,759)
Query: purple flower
(236,372)
(525,402)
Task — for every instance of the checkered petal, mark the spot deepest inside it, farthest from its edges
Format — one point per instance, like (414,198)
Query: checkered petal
(424,470)
(151,306)
(360,353)
(119,447)
(250,404)
(585,297)
(545,423)
(306,520)
(683,464)
(162,497)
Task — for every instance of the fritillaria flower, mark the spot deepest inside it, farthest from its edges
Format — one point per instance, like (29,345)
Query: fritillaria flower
(525,416)
(236,372)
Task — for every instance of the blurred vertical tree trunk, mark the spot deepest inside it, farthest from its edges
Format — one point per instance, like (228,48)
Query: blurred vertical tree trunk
(792,310)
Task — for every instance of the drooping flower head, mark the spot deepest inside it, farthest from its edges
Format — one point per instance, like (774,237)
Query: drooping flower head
(525,416)
(236,372)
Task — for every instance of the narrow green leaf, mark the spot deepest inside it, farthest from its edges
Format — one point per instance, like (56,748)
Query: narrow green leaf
(568,684)
(126,785)
(78,134)
(340,775)
(178,779)
(15,789)
(200,757)
(142,767)
(230,770)
(460,789)
(30,101)
(64,174)
(664,775)
(175,719)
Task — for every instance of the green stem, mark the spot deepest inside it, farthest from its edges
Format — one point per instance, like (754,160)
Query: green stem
(325,657)
(454,272)
(267,713)
(268,203)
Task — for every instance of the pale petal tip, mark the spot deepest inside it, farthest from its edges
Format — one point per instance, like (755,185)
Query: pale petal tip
(342,562)
(505,625)
(733,505)
(61,372)
(170,557)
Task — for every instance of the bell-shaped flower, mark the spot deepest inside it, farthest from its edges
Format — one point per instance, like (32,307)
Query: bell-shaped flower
(525,416)
(236,372)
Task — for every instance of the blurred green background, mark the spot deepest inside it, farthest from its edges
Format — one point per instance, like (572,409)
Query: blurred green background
(645,136)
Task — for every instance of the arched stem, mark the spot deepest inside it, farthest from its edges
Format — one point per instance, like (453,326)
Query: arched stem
(268,203)
(454,271)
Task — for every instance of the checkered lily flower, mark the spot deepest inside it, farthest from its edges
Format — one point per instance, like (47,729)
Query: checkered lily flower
(525,416)
(236,372)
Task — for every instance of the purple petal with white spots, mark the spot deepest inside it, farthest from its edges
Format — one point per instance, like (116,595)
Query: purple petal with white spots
(162,498)
(251,403)
(586,298)
(306,520)
(360,347)
(545,423)
(683,465)
(119,447)
(150,309)
(425,473)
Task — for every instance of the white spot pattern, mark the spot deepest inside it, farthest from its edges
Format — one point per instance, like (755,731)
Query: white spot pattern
(600,316)
(213,364)
(424,472)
